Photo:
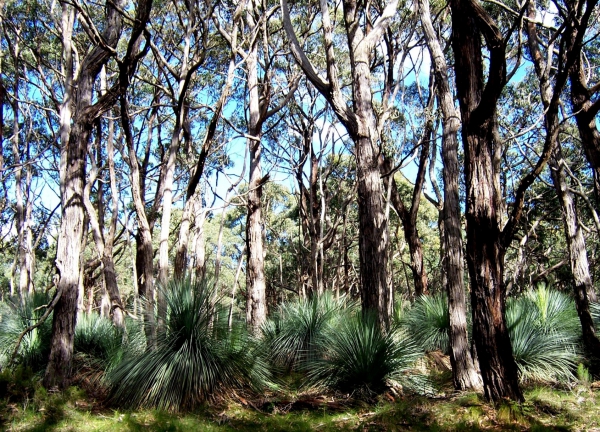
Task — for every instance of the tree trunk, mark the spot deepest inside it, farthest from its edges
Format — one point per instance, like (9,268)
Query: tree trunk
(181,255)
(359,120)
(463,370)
(582,280)
(110,275)
(256,313)
(144,251)
(200,245)
(485,247)
(373,240)
(69,247)
(583,287)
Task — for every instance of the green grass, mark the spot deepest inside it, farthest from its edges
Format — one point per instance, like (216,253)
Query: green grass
(545,409)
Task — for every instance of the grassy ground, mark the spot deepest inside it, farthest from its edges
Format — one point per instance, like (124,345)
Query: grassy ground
(545,409)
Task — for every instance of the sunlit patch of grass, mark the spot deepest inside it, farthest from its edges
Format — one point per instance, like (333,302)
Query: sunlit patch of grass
(545,409)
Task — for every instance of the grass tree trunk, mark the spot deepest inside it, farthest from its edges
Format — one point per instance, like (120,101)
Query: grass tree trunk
(464,374)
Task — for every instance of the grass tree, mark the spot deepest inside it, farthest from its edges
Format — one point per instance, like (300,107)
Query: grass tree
(196,354)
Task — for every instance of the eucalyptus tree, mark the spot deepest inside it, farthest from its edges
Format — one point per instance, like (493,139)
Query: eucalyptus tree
(251,36)
(193,207)
(571,45)
(488,236)
(29,135)
(408,214)
(322,197)
(105,240)
(463,368)
(194,18)
(357,115)
(584,86)
(486,242)
(78,113)
(302,121)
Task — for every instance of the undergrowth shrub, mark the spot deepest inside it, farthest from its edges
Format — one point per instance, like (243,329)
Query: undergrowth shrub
(358,357)
(544,331)
(294,332)
(428,322)
(17,314)
(196,355)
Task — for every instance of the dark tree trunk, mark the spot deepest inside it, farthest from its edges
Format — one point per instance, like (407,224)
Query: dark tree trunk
(373,239)
(485,247)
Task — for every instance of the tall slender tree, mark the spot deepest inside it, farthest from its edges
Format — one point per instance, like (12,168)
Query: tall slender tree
(358,117)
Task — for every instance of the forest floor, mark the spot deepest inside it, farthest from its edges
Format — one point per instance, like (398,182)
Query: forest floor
(545,409)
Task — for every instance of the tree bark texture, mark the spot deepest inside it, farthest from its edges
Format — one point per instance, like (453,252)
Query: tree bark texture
(582,280)
(256,302)
(464,374)
(73,161)
(485,248)
(359,120)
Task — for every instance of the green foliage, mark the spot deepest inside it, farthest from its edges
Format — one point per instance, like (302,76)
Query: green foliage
(583,375)
(15,316)
(294,333)
(595,311)
(97,340)
(544,334)
(359,357)
(194,356)
(17,383)
(428,321)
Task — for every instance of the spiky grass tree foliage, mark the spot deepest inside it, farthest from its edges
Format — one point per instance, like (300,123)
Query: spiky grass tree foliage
(428,321)
(358,357)
(17,314)
(543,328)
(97,341)
(194,356)
(294,333)
(595,311)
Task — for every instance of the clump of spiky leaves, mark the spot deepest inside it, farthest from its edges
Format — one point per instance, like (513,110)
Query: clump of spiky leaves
(294,333)
(17,314)
(358,357)
(595,312)
(194,355)
(544,335)
(97,340)
(428,322)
